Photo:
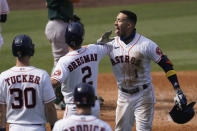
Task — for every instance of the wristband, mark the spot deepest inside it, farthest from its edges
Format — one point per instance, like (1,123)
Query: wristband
(2,129)
(170,73)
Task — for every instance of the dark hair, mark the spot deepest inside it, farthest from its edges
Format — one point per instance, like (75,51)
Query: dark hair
(130,15)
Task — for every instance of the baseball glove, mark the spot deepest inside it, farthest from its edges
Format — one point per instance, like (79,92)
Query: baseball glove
(75,18)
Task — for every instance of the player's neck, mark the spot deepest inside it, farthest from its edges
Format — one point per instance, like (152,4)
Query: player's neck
(73,49)
(20,62)
(83,111)
(129,38)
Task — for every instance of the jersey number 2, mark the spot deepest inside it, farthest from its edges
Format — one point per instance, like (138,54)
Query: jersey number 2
(27,95)
(88,75)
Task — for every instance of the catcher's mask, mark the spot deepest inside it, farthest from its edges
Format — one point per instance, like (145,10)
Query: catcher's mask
(182,116)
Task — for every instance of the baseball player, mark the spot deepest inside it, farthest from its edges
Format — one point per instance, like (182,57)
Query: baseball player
(26,91)
(80,64)
(4,10)
(60,13)
(84,98)
(130,57)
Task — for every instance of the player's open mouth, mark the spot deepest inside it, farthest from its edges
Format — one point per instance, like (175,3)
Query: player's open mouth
(117,30)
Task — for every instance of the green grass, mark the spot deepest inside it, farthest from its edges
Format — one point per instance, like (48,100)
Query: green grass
(172,25)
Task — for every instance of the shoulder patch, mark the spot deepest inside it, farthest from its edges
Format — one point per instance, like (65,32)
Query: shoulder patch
(57,73)
(158,51)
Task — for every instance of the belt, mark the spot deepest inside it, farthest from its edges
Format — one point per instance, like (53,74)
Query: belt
(29,124)
(132,91)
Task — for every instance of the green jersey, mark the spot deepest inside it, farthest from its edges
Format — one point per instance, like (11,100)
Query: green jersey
(60,9)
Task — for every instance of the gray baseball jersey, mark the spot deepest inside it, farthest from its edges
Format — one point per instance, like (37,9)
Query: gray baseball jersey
(81,123)
(79,66)
(25,90)
(4,9)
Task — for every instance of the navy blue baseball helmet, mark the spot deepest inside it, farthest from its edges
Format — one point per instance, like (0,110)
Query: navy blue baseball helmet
(74,34)
(22,46)
(84,95)
(182,116)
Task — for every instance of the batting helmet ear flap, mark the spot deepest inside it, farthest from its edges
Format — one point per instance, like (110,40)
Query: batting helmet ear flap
(182,116)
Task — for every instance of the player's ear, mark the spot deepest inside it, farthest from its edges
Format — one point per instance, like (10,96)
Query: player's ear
(130,25)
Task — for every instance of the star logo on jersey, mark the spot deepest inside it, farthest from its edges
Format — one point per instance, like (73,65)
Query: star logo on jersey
(57,73)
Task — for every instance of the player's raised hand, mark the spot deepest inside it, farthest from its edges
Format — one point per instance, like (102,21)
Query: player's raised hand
(105,38)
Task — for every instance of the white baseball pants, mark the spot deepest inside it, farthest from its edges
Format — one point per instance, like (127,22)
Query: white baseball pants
(26,127)
(138,107)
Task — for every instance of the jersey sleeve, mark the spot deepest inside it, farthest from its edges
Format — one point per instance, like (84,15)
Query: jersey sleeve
(48,92)
(60,72)
(154,52)
(4,9)
(101,49)
(57,126)
(2,93)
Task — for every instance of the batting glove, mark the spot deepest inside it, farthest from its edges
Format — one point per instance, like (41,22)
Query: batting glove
(105,38)
(180,99)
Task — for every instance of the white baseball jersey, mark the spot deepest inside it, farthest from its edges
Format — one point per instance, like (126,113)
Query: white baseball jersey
(77,67)
(4,9)
(25,90)
(131,63)
(81,123)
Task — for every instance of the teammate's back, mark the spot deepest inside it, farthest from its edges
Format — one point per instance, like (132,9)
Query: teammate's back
(80,64)
(25,90)
(82,123)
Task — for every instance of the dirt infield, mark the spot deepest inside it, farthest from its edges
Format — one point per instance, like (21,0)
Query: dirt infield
(164,100)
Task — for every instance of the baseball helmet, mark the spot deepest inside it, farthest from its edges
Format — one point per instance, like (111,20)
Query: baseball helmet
(74,34)
(84,95)
(22,46)
(184,115)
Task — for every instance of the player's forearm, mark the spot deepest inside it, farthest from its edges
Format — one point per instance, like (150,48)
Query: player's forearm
(167,66)
(2,116)
(51,114)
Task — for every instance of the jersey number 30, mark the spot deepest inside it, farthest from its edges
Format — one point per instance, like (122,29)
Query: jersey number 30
(22,98)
